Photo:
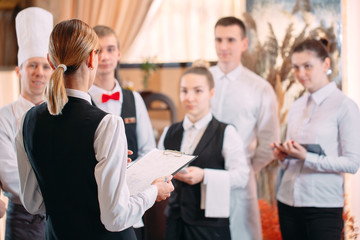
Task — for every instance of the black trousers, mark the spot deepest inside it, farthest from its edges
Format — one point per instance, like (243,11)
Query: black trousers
(140,233)
(177,229)
(22,225)
(310,223)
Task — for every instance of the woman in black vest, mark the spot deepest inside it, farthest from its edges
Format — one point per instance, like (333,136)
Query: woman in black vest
(221,164)
(72,155)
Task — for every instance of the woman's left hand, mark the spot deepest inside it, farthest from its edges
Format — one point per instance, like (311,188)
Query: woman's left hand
(193,176)
(294,149)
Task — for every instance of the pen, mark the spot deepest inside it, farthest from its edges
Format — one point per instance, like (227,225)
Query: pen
(165,179)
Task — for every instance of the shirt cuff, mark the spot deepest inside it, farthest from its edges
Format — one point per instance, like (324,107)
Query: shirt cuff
(311,160)
(150,194)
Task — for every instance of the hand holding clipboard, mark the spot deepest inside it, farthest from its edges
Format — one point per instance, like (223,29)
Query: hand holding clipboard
(155,164)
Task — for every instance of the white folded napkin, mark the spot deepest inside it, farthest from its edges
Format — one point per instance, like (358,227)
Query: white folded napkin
(215,193)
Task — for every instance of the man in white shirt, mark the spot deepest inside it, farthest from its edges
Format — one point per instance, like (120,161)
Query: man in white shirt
(33,28)
(248,102)
(109,96)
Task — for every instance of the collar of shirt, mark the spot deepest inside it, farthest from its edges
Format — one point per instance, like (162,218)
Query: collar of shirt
(320,95)
(202,123)
(97,92)
(26,102)
(78,94)
(232,76)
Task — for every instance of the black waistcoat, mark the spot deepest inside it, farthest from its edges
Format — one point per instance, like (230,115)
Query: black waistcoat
(61,152)
(128,114)
(185,200)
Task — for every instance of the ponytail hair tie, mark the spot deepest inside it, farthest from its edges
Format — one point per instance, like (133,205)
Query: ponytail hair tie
(63,66)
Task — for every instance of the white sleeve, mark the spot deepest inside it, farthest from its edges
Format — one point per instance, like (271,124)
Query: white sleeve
(30,194)
(9,180)
(349,142)
(267,129)
(118,210)
(144,130)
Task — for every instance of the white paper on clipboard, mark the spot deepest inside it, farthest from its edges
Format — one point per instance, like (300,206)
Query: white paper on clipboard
(157,163)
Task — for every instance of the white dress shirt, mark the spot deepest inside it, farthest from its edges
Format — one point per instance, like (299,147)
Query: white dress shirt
(144,130)
(248,102)
(233,151)
(118,210)
(329,118)
(10,117)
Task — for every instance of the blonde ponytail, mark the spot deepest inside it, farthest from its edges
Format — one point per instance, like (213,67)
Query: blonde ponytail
(55,92)
(70,44)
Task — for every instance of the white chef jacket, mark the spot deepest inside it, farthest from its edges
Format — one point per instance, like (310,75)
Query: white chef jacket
(118,210)
(144,130)
(333,121)
(10,117)
(236,165)
(248,102)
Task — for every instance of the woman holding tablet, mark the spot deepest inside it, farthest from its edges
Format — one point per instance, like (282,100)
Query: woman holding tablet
(311,193)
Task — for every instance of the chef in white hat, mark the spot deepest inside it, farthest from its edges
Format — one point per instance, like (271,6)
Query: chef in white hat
(33,28)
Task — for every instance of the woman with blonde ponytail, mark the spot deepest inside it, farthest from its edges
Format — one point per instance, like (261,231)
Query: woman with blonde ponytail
(72,156)
(66,63)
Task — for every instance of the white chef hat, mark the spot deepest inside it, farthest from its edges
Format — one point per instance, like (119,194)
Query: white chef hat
(33,29)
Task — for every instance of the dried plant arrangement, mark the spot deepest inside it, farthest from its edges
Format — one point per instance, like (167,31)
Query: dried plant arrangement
(272,61)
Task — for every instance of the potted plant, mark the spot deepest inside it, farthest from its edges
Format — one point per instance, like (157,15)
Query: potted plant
(148,66)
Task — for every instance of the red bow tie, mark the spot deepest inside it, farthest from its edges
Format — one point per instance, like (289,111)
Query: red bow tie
(114,96)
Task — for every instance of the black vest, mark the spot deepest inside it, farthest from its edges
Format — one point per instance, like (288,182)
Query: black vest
(128,114)
(61,152)
(185,200)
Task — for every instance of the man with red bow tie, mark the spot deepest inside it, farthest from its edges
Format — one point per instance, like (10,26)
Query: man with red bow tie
(109,96)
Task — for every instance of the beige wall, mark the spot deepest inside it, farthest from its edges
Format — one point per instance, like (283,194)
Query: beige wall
(164,80)
(9,85)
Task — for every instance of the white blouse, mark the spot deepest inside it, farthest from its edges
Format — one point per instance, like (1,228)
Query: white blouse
(329,118)
(232,150)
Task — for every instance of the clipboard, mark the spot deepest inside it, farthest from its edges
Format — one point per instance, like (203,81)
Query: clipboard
(157,163)
(314,148)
